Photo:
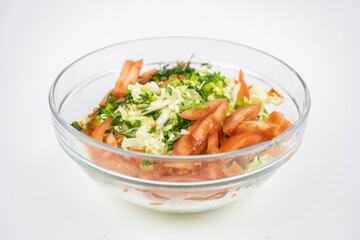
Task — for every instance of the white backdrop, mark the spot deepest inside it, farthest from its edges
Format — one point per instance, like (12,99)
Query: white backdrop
(45,195)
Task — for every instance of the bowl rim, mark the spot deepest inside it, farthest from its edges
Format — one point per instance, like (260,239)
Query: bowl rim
(255,148)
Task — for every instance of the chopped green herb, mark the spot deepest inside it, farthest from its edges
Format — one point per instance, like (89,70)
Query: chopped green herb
(137,123)
(152,129)
(76,125)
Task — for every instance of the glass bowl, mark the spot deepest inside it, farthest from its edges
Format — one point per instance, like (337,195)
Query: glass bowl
(81,86)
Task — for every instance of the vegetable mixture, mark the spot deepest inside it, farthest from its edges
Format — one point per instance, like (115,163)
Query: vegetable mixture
(180,110)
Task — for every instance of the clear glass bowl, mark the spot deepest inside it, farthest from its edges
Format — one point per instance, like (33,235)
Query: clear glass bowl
(81,85)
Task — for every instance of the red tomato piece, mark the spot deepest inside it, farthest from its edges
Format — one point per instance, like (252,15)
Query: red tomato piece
(280,122)
(244,90)
(233,170)
(243,114)
(111,140)
(99,131)
(242,140)
(213,143)
(187,145)
(256,127)
(212,171)
(146,76)
(129,74)
(273,93)
(211,121)
(167,82)
(197,114)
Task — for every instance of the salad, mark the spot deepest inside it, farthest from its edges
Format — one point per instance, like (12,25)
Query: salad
(180,110)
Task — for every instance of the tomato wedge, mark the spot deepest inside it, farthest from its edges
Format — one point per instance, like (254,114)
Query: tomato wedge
(211,121)
(256,127)
(197,113)
(99,131)
(129,74)
(273,93)
(244,90)
(167,82)
(212,171)
(243,114)
(187,145)
(242,140)
(146,76)
(111,140)
(280,122)
(233,170)
(213,143)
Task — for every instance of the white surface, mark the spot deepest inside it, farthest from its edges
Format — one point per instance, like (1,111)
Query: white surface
(45,195)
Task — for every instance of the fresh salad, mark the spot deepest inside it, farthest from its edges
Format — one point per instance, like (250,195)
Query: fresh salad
(181,110)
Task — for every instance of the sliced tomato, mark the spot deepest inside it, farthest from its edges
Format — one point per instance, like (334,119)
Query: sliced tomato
(179,165)
(211,121)
(128,166)
(233,170)
(280,122)
(187,145)
(133,73)
(129,74)
(273,93)
(111,140)
(263,127)
(118,91)
(277,150)
(167,82)
(99,131)
(212,171)
(197,113)
(242,140)
(244,90)
(213,143)
(146,76)
(243,114)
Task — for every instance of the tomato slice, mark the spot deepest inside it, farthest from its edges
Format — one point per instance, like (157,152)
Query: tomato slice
(167,82)
(178,165)
(129,74)
(212,171)
(273,93)
(256,127)
(111,140)
(99,131)
(244,90)
(187,145)
(213,143)
(242,140)
(197,114)
(146,76)
(233,170)
(280,122)
(211,121)
(245,113)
